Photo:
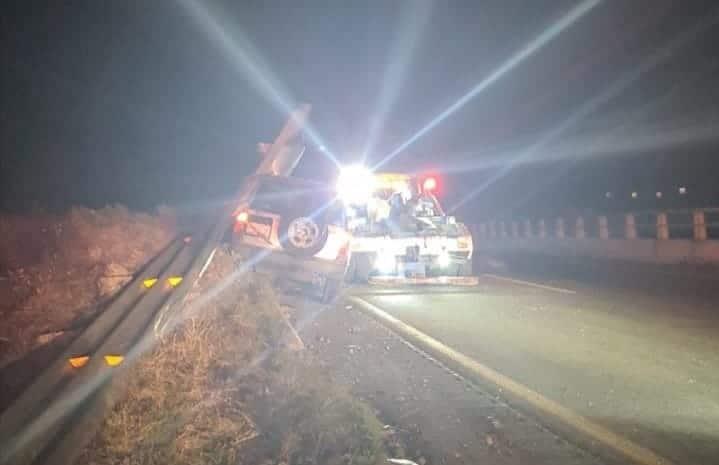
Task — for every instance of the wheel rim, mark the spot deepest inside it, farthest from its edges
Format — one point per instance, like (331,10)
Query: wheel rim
(303,233)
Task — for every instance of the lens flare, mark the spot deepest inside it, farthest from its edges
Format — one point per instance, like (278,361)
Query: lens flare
(355,184)
(246,59)
(413,22)
(553,31)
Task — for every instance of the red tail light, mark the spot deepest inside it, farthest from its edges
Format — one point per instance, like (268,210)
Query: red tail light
(241,220)
(429,184)
(343,252)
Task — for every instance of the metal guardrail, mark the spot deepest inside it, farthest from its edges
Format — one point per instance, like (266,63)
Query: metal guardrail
(62,409)
(60,412)
(698,224)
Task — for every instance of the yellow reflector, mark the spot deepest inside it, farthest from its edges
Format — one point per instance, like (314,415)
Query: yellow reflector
(79,362)
(149,282)
(114,360)
(174,280)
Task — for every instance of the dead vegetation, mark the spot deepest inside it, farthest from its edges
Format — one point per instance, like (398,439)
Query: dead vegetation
(56,269)
(222,388)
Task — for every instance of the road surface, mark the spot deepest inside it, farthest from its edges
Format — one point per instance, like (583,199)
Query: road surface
(643,364)
(432,414)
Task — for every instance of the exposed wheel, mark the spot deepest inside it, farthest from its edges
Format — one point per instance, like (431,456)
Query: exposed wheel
(302,235)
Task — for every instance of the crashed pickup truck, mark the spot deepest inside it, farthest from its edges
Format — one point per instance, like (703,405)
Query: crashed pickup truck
(400,233)
(290,227)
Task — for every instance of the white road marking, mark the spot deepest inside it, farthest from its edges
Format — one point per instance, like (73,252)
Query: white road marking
(529,283)
(636,453)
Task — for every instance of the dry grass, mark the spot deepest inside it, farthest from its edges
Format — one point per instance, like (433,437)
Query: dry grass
(221,390)
(54,269)
(312,420)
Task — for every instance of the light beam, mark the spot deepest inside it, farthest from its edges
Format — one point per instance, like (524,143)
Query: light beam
(518,57)
(248,61)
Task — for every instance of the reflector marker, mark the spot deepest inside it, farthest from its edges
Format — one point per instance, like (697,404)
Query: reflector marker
(79,362)
(114,360)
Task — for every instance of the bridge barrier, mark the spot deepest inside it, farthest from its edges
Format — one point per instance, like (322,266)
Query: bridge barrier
(668,237)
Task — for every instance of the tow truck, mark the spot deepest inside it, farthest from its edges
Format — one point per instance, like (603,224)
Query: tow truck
(400,233)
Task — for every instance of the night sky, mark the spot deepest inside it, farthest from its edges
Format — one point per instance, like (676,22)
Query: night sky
(149,102)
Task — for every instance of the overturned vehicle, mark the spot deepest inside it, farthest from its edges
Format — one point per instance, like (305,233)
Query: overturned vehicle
(290,227)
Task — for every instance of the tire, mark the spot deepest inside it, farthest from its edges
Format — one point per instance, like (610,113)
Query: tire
(301,235)
(331,289)
(360,268)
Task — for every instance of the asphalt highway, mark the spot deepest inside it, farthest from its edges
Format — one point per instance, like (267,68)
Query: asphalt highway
(640,361)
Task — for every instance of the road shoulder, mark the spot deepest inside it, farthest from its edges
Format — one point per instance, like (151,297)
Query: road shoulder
(442,416)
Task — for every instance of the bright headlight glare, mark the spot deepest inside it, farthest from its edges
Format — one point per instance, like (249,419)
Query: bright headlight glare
(385,262)
(443,259)
(355,184)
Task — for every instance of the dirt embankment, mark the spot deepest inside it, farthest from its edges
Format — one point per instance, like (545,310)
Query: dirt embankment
(56,269)
(230,384)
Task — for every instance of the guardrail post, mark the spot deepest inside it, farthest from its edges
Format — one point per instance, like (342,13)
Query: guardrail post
(579,228)
(630,226)
(542,227)
(559,230)
(515,229)
(700,225)
(603,227)
(662,226)
(502,229)
(527,228)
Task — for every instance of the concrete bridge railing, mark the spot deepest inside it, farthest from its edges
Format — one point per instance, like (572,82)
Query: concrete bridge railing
(671,236)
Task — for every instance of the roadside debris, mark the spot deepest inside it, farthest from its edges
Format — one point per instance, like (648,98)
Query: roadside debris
(292,340)
(47,337)
(402,462)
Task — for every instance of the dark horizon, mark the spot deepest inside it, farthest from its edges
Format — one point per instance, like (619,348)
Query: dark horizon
(144,104)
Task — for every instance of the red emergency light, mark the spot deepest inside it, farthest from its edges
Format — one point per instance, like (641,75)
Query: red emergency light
(241,220)
(242,217)
(429,184)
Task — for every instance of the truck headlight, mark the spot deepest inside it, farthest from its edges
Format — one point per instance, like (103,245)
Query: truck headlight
(355,185)
(443,259)
(385,262)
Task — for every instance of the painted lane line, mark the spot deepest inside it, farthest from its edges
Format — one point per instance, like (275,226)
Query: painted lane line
(529,283)
(633,451)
